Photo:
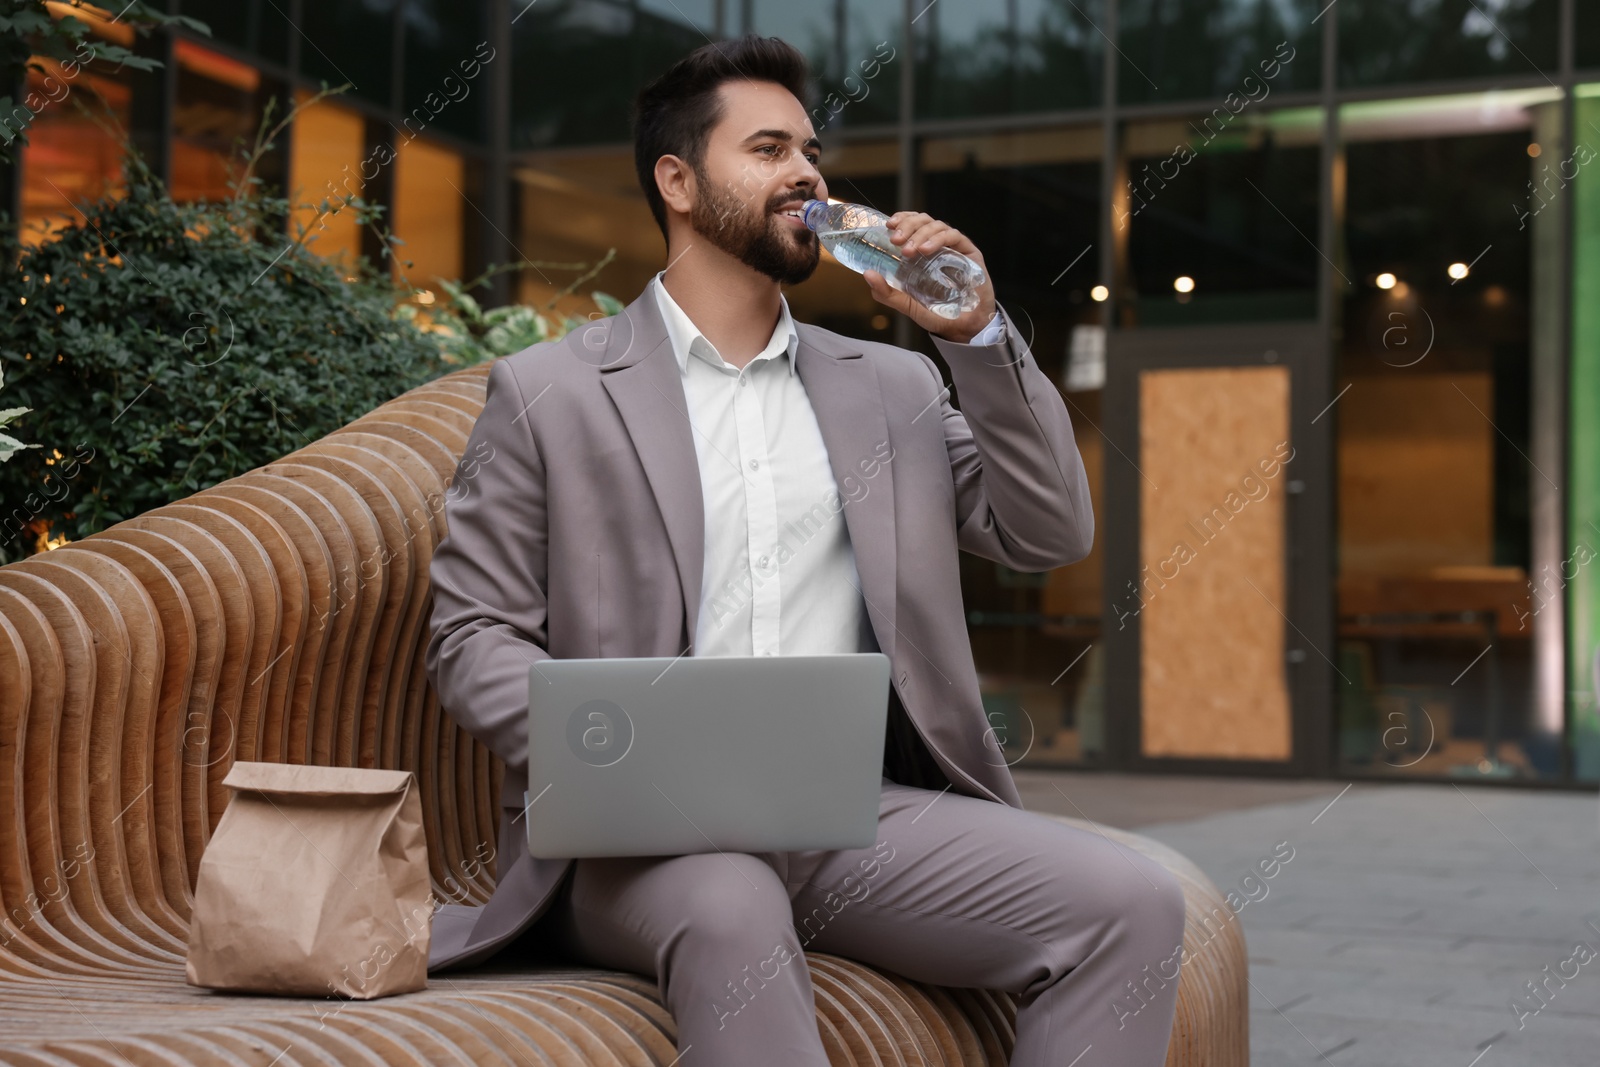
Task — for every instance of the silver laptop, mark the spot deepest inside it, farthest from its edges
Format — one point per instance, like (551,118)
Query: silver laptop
(662,756)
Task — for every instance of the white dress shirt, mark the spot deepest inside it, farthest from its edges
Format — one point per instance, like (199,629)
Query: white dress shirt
(779,574)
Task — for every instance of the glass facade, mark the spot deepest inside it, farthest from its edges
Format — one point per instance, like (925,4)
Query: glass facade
(1224,201)
(1039,192)
(327,146)
(1019,57)
(218,108)
(1435,533)
(1205,50)
(1382,42)
(1367,231)
(70,156)
(1575,581)
(351,43)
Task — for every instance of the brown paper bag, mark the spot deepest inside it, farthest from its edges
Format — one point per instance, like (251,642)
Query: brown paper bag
(315,881)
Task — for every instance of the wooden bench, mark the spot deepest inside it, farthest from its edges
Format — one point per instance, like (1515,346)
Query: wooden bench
(282,615)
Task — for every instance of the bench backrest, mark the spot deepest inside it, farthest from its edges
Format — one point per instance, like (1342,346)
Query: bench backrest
(281,615)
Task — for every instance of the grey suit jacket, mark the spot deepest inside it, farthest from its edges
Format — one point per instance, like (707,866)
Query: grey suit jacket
(576,529)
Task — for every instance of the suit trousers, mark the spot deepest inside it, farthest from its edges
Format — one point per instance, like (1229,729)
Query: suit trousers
(957,892)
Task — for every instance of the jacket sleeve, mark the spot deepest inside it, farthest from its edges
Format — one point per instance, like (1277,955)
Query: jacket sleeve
(488,575)
(1022,498)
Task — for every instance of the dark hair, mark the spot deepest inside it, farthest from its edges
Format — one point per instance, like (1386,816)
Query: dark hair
(674,114)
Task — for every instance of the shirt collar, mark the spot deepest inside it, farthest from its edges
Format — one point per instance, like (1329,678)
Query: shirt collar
(685,335)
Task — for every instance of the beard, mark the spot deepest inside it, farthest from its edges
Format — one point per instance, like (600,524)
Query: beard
(786,255)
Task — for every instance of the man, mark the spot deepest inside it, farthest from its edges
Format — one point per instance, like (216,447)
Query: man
(629,496)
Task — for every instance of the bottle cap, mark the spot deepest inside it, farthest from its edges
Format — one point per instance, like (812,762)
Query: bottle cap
(813,212)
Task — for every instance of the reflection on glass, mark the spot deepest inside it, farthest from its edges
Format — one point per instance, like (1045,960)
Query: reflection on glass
(446,81)
(215,116)
(1218,213)
(573,208)
(577,65)
(1206,49)
(260,27)
(1433,438)
(854,50)
(69,158)
(1382,42)
(326,164)
(1580,571)
(1022,56)
(349,41)
(1586,46)
(1030,201)
(429,180)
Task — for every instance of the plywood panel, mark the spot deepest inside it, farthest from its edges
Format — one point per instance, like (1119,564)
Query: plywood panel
(1213,446)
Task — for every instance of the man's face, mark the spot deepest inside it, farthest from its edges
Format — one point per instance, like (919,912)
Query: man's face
(760,160)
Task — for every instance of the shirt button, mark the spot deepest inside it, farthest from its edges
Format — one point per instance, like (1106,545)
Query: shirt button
(743,380)
(755,464)
(762,562)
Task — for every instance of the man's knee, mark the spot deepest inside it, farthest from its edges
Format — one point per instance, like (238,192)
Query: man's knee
(737,901)
(1149,894)
(738,927)
(1137,896)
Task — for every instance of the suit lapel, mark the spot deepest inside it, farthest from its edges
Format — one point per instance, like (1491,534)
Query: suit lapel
(843,388)
(641,375)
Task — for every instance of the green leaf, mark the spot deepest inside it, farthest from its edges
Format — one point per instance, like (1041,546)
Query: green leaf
(10,446)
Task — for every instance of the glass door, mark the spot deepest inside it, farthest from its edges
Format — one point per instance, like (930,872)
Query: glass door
(1215,620)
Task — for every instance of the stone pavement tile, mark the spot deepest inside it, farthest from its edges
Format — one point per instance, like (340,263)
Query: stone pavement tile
(1431,1039)
(1286,986)
(1466,998)
(1506,926)
(1301,1035)
(1416,955)
(1575,997)
(1407,920)
(1130,801)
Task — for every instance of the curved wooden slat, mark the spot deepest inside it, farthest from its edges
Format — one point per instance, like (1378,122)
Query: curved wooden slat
(296,547)
(90,762)
(278,587)
(356,539)
(211,741)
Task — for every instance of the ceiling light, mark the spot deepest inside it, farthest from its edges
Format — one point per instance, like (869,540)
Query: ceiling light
(1457,271)
(1183,283)
(1099,293)
(1386,280)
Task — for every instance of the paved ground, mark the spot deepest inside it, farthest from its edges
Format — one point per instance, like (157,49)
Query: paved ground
(1408,921)
(1135,800)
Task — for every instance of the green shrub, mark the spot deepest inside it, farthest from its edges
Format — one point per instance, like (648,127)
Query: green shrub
(470,334)
(165,347)
(10,446)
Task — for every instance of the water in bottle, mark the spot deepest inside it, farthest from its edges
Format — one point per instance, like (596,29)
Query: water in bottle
(858,236)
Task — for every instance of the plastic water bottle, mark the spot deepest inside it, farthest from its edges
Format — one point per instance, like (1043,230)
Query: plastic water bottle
(858,236)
